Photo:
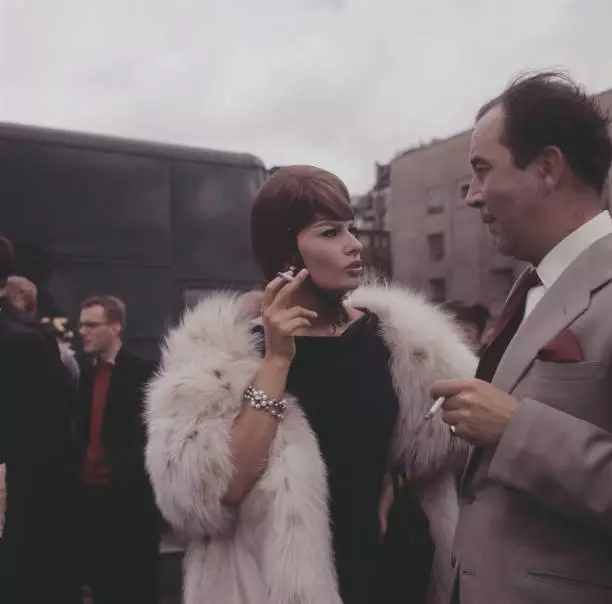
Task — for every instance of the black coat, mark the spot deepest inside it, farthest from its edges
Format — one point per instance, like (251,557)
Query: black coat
(37,553)
(123,432)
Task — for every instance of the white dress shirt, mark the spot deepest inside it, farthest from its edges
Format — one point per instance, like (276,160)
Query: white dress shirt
(558,260)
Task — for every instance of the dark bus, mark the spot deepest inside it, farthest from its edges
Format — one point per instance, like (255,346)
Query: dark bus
(157,225)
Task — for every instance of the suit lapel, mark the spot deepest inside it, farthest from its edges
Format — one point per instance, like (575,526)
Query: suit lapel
(562,304)
(559,307)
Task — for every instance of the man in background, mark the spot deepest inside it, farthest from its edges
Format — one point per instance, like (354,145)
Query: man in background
(37,553)
(120,527)
(22,295)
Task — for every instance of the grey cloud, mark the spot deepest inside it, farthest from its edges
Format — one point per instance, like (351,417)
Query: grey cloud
(330,82)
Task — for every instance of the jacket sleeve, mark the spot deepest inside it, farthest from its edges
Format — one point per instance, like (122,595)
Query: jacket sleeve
(190,407)
(562,462)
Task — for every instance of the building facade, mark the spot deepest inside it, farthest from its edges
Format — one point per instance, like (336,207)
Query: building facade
(438,244)
(372,219)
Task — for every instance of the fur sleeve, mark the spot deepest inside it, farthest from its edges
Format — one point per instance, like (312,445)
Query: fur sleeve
(426,346)
(191,403)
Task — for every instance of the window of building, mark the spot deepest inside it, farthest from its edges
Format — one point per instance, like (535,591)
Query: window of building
(435,243)
(435,200)
(365,238)
(463,188)
(438,290)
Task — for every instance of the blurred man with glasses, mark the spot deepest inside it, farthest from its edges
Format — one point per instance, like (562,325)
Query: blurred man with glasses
(120,528)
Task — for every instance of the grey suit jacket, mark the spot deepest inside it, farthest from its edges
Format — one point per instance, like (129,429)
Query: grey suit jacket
(535,524)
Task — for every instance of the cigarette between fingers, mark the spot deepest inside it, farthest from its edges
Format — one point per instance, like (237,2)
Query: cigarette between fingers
(287,275)
(435,407)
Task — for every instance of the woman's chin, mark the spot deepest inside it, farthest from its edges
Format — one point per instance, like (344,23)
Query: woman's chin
(339,291)
(352,286)
(340,287)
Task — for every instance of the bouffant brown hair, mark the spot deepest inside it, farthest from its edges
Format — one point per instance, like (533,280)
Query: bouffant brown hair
(292,198)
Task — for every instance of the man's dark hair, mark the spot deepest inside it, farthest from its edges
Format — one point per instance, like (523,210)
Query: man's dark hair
(7,260)
(550,110)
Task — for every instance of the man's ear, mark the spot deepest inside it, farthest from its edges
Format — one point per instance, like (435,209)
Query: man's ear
(551,166)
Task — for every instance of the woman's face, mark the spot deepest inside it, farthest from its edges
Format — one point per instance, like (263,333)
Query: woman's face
(332,254)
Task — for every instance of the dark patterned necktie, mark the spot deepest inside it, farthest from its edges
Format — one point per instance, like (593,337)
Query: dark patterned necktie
(507,326)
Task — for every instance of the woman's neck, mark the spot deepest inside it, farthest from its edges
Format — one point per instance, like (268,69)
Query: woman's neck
(334,314)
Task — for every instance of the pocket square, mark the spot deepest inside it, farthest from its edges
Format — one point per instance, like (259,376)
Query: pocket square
(563,348)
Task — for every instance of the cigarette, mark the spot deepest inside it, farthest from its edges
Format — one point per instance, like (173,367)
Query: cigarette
(287,276)
(435,407)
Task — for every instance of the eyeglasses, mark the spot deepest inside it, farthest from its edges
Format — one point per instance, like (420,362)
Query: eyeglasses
(91,324)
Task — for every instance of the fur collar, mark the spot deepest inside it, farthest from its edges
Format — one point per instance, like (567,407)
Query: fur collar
(426,346)
(206,364)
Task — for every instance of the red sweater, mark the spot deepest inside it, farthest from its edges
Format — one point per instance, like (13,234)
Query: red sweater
(95,470)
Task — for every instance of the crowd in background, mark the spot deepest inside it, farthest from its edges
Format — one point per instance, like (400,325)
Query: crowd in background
(77,509)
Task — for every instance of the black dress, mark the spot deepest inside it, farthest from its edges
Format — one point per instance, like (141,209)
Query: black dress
(345,387)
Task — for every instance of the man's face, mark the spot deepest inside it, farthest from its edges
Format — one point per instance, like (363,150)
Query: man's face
(98,335)
(506,196)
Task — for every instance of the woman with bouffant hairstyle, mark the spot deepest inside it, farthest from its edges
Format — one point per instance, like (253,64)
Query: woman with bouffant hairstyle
(269,440)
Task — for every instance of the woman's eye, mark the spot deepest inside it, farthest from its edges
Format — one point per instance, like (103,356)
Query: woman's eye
(330,233)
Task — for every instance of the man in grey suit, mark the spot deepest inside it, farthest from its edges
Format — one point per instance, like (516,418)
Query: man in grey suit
(535,524)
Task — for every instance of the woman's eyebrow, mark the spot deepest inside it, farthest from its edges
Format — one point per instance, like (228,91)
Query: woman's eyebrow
(334,223)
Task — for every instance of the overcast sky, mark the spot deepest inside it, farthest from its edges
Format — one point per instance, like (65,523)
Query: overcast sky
(336,83)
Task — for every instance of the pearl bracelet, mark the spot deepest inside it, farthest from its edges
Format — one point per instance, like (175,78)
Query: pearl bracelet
(258,399)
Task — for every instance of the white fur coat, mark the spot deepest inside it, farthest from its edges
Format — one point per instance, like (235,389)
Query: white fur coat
(275,547)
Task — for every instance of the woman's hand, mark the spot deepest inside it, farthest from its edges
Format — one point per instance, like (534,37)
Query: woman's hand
(253,429)
(281,320)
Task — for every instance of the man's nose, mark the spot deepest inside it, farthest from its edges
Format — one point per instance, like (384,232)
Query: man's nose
(475,202)
(474,198)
